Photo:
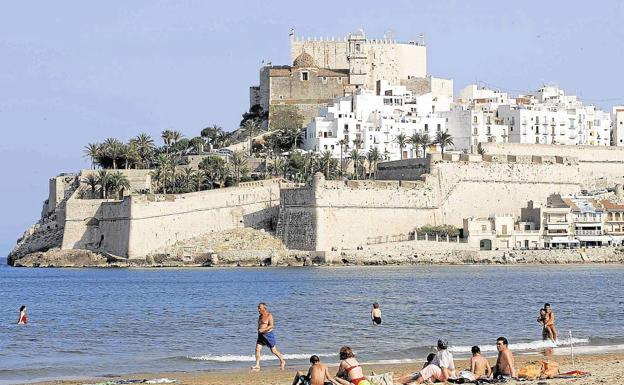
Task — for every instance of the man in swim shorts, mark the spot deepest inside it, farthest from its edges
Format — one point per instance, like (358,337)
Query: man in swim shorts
(266,337)
(549,323)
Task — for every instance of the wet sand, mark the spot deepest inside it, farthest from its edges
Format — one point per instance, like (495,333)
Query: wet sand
(606,369)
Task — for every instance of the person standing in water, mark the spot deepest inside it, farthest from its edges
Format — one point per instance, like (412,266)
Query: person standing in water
(23,320)
(266,337)
(549,323)
(376,314)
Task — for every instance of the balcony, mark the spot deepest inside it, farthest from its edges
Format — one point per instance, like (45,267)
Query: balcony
(588,232)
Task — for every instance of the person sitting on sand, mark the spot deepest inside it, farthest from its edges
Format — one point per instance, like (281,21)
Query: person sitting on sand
(22,320)
(505,362)
(441,367)
(349,370)
(430,358)
(318,374)
(266,323)
(376,314)
(549,323)
(479,366)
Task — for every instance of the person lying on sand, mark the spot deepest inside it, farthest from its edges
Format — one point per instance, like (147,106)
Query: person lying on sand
(318,374)
(441,368)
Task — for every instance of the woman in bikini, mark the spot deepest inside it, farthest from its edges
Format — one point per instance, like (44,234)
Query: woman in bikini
(23,320)
(350,371)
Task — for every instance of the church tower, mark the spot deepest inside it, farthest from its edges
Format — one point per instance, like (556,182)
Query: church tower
(356,55)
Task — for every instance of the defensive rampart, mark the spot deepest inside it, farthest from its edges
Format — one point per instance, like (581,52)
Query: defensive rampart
(143,223)
(330,215)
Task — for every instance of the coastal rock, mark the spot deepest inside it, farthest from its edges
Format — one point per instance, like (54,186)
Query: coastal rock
(62,258)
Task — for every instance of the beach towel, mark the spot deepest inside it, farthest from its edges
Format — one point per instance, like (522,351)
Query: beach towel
(550,369)
(381,379)
(530,371)
(574,374)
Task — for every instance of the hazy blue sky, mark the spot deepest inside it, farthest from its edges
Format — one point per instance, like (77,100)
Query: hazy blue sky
(73,72)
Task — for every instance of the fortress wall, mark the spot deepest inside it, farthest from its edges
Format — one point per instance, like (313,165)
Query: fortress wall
(408,169)
(483,188)
(156,224)
(83,223)
(591,154)
(115,227)
(297,218)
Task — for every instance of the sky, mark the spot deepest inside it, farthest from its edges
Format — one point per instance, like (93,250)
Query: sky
(74,72)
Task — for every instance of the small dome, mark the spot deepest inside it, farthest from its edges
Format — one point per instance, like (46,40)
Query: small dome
(304,60)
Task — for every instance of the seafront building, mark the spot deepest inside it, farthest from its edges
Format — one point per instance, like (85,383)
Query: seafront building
(374,119)
(617,126)
(563,222)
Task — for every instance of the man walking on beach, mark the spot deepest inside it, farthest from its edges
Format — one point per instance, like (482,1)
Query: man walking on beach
(266,336)
(505,362)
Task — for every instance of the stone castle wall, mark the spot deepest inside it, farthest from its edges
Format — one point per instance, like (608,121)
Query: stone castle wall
(143,223)
(346,215)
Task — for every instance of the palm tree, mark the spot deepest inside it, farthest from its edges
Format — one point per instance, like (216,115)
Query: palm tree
(92,181)
(424,143)
(199,176)
(249,127)
(188,177)
(176,136)
(211,134)
(355,156)
(145,148)
(165,166)
(239,163)
(480,150)
(118,182)
(342,143)
(401,140)
(197,144)
(167,137)
(92,151)
(103,179)
(216,169)
(444,139)
(414,141)
(325,161)
(113,149)
(373,157)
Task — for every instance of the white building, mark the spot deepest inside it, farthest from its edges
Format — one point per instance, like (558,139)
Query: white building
(549,116)
(617,126)
(369,119)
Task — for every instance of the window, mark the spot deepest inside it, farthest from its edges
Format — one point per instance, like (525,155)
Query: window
(339,80)
(324,80)
(325,136)
(281,96)
(439,127)
(474,131)
(304,75)
(332,146)
(357,48)
(489,130)
(426,127)
(346,127)
(504,229)
(483,228)
(325,146)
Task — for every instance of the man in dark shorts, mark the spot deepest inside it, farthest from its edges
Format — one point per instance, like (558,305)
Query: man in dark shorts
(266,337)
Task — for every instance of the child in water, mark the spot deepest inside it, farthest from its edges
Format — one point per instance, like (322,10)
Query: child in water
(23,320)
(376,314)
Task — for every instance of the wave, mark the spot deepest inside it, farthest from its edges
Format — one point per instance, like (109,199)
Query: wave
(524,346)
(251,358)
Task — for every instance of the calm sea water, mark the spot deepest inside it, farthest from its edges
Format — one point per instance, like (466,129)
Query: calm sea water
(87,322)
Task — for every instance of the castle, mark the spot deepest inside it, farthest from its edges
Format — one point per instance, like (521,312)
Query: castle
(328,217)
(323,69)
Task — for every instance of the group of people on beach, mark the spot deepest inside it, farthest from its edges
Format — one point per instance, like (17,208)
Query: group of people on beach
(439,366)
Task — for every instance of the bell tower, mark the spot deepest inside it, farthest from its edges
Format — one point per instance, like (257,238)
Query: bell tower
(356,55)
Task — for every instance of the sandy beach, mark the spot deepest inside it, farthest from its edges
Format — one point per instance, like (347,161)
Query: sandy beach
(605,369)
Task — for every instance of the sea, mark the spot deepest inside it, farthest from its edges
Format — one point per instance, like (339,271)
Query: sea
(101,322)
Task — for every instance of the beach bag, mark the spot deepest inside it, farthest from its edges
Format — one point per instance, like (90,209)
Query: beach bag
(381,379)
(530,371)
(550,369)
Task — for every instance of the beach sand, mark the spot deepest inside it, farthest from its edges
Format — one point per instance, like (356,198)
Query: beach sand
(606,369)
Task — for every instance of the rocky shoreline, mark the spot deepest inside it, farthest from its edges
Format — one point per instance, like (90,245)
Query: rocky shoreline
(255,258)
